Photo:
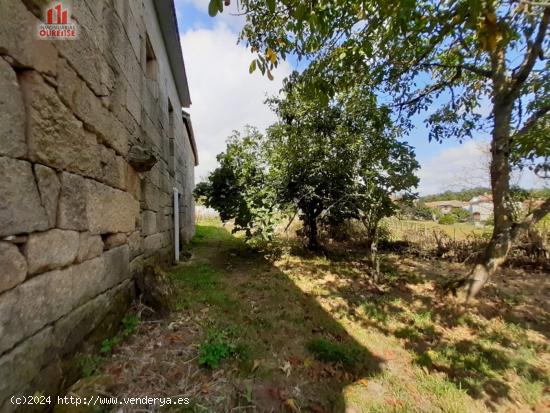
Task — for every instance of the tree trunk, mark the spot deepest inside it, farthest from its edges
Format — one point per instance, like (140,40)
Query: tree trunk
(311,227)
(372,256)
(497,250)
(372,247)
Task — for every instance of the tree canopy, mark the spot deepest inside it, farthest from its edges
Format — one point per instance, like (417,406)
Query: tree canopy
(447,59)
(324,162)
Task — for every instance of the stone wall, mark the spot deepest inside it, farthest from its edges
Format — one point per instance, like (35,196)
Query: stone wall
(76,220)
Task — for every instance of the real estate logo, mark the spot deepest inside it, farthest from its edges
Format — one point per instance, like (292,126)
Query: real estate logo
(56,23)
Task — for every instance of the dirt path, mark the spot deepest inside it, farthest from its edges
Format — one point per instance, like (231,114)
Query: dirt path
(309,334)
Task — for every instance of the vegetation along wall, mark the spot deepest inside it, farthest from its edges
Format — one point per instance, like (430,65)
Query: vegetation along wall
(93,141)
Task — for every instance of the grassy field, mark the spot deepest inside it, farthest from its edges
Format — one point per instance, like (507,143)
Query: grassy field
(302,333)
(459,231)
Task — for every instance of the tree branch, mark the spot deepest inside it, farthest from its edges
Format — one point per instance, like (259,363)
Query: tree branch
(532,218)
(532,121)
(468,67)
(432,89)
(531,54)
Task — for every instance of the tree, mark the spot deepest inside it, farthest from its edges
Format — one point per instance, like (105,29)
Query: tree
(323,161)
(449,57)
(385,166)
(338,160)
(310,158)
(240,188)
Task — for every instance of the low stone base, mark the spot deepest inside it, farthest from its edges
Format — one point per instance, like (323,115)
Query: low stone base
(47,361)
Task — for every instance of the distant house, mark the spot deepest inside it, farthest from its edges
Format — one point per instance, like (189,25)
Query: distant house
(446,207)
(480,207)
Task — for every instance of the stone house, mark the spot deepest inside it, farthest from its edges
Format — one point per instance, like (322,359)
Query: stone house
(97,163)
(480,207)
(446,207)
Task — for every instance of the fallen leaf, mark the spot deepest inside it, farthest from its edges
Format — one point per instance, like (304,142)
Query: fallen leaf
(174,338)
(363,382)
(115,370)
(317,408)
(275,393)
(294,360)
(286,368)
(255,365)
(291,406)
(308,363)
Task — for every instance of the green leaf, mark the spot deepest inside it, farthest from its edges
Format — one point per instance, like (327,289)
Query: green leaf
(252,67)
(271,6)
(214,7)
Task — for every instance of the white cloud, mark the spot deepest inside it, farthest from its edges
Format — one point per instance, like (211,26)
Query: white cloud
(465,166)
(225,96)
(455,168)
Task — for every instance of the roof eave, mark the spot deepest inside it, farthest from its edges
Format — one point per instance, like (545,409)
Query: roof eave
(187,120)
(166,15)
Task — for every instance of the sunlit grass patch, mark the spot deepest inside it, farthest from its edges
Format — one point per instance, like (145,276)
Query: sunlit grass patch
(375,309)
(205,232)
(203,285)
(443,393)
(532,392)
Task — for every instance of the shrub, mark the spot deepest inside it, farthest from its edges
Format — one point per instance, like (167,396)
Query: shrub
(461,214)
(448,219)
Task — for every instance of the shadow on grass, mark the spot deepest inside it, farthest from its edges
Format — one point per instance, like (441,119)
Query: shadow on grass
(481,362)
(291,347)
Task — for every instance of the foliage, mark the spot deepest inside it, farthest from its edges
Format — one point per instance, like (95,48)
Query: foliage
(416,53)
(464,195)
(461,214)
(130,323)
(418,211)
(339,160)
(215,348)
(89,364)
(518,194)
(323,162)
(446,59)
(448,219)
(240,188)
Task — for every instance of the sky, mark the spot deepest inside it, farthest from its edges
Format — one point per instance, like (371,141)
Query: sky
(225,97)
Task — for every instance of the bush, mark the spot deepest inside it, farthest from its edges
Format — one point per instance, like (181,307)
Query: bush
(419,211)
(461,214)
(448,219)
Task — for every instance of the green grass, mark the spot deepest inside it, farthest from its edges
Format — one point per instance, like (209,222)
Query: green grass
(329,351)
(208,232)
(200,283)
(457,363)
(375,309)
(215,348)
(129,324)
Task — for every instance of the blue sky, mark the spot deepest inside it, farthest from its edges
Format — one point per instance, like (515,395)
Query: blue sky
(226,97)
